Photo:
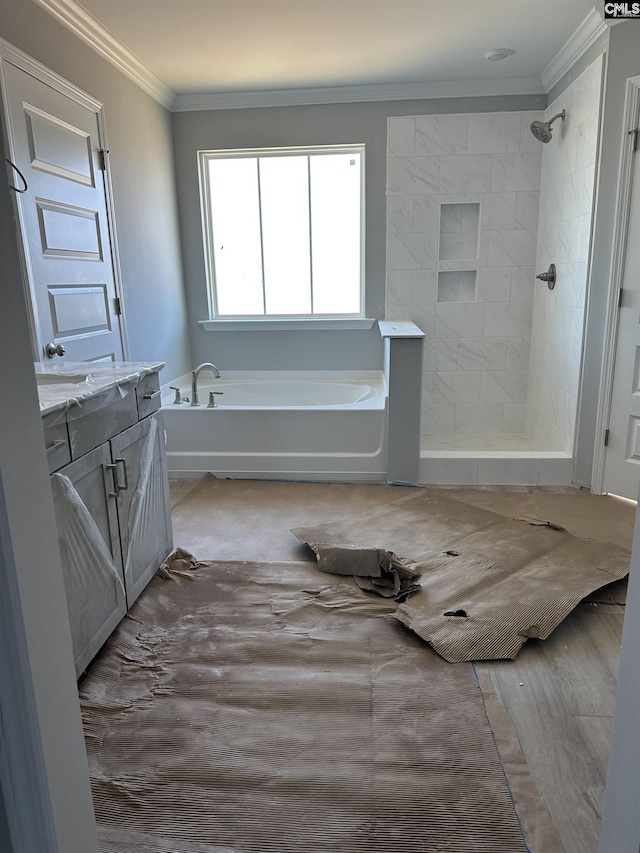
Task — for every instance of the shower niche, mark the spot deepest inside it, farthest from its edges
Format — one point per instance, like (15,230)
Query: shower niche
(458,252)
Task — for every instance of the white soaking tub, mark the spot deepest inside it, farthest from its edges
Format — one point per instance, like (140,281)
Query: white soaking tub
(289,425)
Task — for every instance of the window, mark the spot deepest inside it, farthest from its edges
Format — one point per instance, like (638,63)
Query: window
(283,232)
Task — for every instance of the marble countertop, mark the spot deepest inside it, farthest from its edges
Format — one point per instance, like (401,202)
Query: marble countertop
(65,384)
(399,329)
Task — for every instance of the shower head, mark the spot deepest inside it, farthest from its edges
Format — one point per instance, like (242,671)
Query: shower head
(542,129)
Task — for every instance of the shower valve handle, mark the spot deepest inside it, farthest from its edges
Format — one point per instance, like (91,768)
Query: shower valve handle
(549,276)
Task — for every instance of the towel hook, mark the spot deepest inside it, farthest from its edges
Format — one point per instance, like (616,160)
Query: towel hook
(24,180)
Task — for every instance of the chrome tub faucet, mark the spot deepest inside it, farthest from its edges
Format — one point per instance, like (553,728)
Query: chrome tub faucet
(194,379)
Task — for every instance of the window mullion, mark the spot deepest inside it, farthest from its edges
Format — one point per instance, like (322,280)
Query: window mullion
(264,289)
(310,232)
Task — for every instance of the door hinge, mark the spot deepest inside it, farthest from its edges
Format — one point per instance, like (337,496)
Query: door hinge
(606,438)
(118,306)
(619,297)
(635,138)
(102,158)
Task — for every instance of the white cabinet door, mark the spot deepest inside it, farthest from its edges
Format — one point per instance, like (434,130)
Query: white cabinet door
(55,142)
(86,516)
(143,502)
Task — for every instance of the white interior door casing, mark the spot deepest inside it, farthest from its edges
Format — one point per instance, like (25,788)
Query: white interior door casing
(622,458)
(55,141)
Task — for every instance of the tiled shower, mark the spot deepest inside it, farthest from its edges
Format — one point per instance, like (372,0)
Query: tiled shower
(476,207)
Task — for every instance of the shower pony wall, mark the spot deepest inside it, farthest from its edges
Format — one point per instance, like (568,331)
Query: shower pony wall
(476,207)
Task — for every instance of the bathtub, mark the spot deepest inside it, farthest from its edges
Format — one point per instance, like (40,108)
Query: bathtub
(288,425)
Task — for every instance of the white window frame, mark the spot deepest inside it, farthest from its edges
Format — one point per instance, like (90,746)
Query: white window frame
(204,156)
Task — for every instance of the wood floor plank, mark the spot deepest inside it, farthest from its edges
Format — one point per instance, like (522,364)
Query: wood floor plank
(542,722)
(596,731)
(566,751)
(581,659)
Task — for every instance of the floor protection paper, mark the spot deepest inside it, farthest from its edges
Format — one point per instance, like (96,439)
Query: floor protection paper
(488,583)
(256,707)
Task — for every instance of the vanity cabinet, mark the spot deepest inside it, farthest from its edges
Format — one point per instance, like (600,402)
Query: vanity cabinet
(112,511)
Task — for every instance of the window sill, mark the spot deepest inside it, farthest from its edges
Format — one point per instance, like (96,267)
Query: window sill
(294,325)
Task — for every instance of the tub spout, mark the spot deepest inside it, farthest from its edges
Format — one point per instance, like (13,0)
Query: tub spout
(194,379)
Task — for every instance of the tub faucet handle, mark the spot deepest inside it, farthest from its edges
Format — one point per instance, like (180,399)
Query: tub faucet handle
(212,402)
(178,398)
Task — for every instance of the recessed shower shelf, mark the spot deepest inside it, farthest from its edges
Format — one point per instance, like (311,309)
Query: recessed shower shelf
(457,286)
(458,251)
(459,231)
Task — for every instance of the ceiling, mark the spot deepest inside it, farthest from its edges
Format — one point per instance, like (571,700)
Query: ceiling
(237,46)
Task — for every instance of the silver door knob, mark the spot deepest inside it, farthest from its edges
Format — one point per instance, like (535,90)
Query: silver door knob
(51,350)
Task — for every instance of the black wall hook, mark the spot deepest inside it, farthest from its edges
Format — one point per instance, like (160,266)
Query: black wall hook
(24,180)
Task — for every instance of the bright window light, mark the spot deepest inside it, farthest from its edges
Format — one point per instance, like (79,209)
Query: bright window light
(283,232)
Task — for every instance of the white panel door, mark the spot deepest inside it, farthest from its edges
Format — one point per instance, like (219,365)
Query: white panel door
(622,460)
(56,144)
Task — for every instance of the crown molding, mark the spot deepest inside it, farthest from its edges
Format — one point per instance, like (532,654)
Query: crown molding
(85,26)
(587,34)
(355,94)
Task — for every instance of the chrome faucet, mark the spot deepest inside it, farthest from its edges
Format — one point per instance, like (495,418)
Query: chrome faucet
(194,379)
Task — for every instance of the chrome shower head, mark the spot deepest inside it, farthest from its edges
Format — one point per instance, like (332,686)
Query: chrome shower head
(542,129)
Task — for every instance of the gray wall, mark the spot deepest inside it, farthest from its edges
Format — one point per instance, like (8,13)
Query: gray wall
(306,125)
(141,158)
(623,61)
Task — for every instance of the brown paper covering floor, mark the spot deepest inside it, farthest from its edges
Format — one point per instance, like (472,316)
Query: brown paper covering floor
(488,583)
(559,693)
(262,707)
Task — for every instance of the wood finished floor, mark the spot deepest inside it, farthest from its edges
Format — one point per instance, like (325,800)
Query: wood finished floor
(559,693)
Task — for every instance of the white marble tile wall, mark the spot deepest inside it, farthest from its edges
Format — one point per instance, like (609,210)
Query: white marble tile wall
(477,323)
(566,199)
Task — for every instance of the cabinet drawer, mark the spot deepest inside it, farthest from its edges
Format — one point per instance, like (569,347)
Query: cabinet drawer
(148,395)
(56,441)
(89,429)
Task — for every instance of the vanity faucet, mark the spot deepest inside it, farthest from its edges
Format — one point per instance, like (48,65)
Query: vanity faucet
(194,379)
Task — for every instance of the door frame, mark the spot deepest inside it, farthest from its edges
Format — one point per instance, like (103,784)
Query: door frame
(26,63)
(23,777)
(620,235)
